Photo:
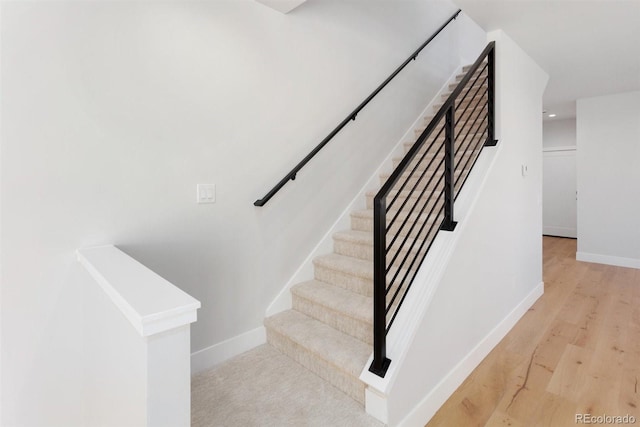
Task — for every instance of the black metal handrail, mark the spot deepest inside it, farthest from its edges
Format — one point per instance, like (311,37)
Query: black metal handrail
(429,177)
(351,117)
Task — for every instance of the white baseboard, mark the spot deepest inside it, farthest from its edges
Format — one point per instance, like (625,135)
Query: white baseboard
(209,357)
(608,259)
(550,230)
(427,408)
(559,148)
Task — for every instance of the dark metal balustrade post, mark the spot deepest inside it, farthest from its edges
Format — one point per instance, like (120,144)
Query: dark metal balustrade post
(491,67)
(380,362)
(383,299)
(449,169)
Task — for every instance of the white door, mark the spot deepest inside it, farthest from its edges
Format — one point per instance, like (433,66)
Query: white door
(559,192)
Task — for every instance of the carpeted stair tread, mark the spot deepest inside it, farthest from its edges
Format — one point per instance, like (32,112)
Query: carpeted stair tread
(337,299)
(439,156)
(464,114)
(363,221)
(407,174)
(476,92)
(359,244)
(361,237)
(354,236)
(341,350)
(479,83)
(431,150)
(349,265)
(368,213)
(474,96)
(462,127)
(404,194)
(435,149)
(354,243)
(459,77)
(466,68)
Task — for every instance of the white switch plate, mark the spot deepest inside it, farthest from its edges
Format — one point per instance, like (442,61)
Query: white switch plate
(206,193)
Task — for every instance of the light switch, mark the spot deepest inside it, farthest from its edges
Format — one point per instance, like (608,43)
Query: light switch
(206,193)
(525,170)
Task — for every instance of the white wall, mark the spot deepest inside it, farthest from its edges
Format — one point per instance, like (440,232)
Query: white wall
(559,205)
(495,272)
(115,363)
(559,184)
(608,135)
(1,399)
(1,352)
(112,112)
(559,133)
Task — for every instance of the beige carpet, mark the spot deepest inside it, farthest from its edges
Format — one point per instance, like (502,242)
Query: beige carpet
(263,387)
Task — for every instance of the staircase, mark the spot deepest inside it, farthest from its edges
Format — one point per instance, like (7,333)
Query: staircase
(329,330)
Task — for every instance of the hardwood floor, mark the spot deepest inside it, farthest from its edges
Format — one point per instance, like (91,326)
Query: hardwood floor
(576,351)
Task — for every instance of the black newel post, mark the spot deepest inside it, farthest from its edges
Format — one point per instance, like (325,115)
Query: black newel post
(491,84)
(380,362)
(449,168)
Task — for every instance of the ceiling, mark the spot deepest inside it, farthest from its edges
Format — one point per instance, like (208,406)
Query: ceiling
(284,6)
(588,47)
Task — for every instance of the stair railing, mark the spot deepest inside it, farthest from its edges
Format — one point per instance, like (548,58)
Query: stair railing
(428,178)
(291,176)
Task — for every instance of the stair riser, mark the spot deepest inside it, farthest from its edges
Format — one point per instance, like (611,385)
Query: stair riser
(462,106)
(346,280)
(436,164)
(357,328)
(409,212)
(362,224)
(434,151)
(401,199)
(461,129)
(467,134)
(461,158)
(411,205)
(466,68)
(350,385)
(461,115)
(352,249)
(479,88)
(467,140)
(398,222)
(420,184)
(427,190)
(360,285)
(480,83)
(365,252)
(459,77)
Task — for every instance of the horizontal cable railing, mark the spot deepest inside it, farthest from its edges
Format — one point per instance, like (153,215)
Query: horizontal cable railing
(351,117)
(417,200)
